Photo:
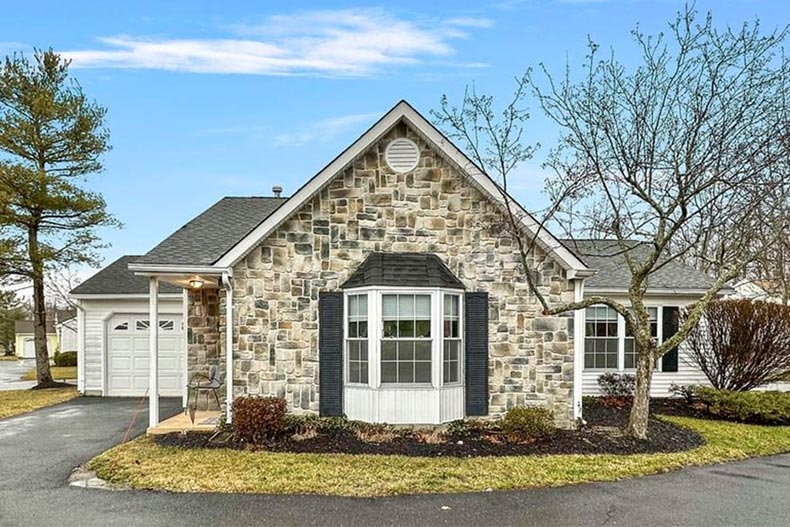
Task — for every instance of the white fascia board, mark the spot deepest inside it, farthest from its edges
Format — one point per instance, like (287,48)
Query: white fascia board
(159,269)
(401,111)
(121,296)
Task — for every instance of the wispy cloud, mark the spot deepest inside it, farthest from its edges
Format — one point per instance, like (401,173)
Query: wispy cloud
(331,43)
(325,130)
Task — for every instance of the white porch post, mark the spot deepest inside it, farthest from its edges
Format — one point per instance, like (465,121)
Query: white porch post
(578,349)
(153,353)
(228,347)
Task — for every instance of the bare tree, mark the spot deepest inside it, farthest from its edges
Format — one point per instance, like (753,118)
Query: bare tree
(651,154)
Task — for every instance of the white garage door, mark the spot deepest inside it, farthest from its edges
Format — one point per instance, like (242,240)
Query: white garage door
(127,355)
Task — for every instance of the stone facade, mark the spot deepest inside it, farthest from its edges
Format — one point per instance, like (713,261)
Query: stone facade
(370,208)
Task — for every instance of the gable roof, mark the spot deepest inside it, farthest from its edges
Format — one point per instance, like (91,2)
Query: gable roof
(178,251)
(613,273)
(211,234)
(117,279)
(23,327)
(403,269)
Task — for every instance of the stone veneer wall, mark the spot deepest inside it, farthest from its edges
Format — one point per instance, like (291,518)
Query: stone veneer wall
(205,333)
(370,208)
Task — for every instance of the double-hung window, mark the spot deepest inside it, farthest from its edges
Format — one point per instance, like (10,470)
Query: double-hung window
(630,351)
(600,338)
(451,359)
(406,343)
(358,338)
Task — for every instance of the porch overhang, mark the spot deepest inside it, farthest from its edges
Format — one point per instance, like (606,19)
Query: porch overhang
(186,277)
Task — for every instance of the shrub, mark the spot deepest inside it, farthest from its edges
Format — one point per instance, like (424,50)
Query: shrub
(768,408)
(687,392)
(524,423)
(258,419)
(67,358)
(617,384)
(741,344)
(469,428)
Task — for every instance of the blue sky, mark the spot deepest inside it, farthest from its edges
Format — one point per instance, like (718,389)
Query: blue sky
(209,99)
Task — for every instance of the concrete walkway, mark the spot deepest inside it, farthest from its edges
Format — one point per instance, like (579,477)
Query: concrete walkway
(38,452)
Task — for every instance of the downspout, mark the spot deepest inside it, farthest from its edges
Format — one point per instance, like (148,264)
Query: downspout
(578,349)
(227,283)
(80,347)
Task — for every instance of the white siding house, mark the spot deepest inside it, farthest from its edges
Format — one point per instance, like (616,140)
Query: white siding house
(112,335)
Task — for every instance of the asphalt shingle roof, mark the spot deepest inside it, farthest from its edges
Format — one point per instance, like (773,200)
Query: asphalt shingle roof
(205,239)
(403,269)
(608,258)
(117,279)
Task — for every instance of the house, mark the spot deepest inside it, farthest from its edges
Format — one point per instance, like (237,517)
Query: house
(112,333)
(66,329)
(386,288)
(25,344)
(763,290)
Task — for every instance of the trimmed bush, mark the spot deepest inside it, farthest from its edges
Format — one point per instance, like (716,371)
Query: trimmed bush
(617,384)
(469,428)
(524,424)
(258,419)
(67,358)
(767,408)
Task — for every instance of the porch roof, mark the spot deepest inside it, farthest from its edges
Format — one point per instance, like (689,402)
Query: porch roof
(403,269)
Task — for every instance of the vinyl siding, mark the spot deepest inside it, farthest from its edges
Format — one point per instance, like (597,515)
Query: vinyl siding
(96,312)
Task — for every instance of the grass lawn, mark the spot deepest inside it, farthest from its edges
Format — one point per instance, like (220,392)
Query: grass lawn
(59,373)
(8,358)
(143,464)
(15,402)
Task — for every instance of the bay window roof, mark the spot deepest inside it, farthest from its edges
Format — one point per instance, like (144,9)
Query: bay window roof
(403,270)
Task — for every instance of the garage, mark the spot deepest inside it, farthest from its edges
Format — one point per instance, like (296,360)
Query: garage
(128,359)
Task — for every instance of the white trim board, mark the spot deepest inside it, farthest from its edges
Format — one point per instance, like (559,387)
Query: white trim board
(403,111)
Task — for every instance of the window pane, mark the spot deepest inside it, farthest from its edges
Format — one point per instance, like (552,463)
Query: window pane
(422,372)
(363,376)
(363,350)
(406,351)
(352,306)
(389,306)
(423,307)
(362,329)
(422,351)
(405,372)
(353,350)
(352,330)
(405,306)
(423,328)
(362,306)
(406,328)
(389,350)
(390,328)
(354,371)
(389,372)
(142,324)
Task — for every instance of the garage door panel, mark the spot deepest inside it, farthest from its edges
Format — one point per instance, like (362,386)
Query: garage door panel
(128,360)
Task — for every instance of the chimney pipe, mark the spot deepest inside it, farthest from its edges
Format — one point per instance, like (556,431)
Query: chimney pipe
(277,190)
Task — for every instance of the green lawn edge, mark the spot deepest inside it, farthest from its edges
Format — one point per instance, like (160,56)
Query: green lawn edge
(59,373)
(18,402)
(142,464)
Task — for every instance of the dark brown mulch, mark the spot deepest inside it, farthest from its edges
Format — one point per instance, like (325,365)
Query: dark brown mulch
(51,385)
(601,435)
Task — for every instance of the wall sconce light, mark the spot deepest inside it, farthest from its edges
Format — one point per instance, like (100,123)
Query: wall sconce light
(196,283)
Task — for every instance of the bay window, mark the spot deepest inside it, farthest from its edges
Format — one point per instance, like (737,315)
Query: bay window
(401,338)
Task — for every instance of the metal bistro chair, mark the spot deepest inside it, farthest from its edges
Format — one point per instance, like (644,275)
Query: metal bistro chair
(200,382)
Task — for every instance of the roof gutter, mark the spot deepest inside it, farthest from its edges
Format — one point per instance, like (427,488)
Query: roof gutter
(657,291)
(160,269)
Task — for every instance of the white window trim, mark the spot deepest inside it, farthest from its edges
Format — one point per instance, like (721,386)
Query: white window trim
(621,341)
(375,327)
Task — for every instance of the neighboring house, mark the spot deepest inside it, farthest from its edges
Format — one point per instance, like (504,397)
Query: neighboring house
(764,290)
(113,336)
(387,288)
(25,339)
(66,329)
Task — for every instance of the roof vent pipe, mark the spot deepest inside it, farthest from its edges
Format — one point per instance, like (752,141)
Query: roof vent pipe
(277,190)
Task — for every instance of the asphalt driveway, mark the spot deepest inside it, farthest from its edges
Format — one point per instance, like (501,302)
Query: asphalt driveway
(39,450)
(11,371)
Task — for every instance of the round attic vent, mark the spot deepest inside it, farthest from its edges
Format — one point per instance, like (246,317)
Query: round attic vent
(402,155)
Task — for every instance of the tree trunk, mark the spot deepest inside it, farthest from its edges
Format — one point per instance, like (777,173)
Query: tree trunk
(637,422)
(43,373)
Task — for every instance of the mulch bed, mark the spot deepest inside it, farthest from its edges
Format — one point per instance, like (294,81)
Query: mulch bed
(601,435)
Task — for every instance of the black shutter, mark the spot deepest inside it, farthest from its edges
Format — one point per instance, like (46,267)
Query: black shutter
(476,353)
(670,326)
(330,353)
